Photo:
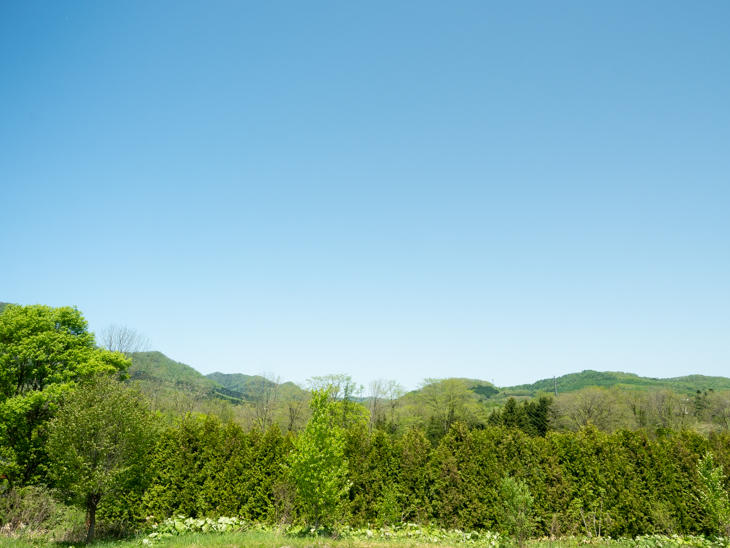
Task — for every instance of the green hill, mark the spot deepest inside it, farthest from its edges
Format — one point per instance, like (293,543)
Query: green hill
(610,379)
(156,366)
(235,381)
(156,372)
(492,395)
(248,385)
(483,389)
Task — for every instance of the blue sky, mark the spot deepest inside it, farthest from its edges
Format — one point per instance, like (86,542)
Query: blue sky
(505,191)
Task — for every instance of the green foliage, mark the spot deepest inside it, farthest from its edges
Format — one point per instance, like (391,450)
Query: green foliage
(532,417)
(410,533)
(180,525)
(555,467)
(444,402)
(155,365)
(202,467)
(713,496)
(44,352)
(317,466)
(414,474)
(33,513)
(517,509)
(375,492)
(98,442)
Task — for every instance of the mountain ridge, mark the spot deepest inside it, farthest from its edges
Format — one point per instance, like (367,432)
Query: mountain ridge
(243,387)
(572,382)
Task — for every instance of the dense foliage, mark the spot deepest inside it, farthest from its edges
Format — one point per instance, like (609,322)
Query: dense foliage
(98,443)
(588,482)
(438,458)
(317,465)
(44,352)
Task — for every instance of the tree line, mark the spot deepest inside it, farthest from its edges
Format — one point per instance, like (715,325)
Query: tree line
(72,424)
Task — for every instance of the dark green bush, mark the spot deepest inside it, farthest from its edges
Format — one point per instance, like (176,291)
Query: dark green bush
(588,482)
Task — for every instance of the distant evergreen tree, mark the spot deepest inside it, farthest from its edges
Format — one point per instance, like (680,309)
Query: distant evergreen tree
(532,417)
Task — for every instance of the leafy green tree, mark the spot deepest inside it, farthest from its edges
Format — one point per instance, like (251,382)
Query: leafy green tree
(317,465)
(713,496)
(98,442)
(344,391)
(447,401)
(517,508)
(44,352)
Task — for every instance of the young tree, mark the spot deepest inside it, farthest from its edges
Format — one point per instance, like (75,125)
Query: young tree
(713,496)
(98,442)
(345,391)
(517,508)
(44,352)
(317,465)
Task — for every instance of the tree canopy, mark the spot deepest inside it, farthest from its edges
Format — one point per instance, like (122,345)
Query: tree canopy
(318,466)
(44,352)
(98,442)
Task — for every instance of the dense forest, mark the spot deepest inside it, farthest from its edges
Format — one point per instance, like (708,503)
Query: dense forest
(132,436)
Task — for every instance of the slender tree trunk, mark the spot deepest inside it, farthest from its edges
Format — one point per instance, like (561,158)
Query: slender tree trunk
(92,502)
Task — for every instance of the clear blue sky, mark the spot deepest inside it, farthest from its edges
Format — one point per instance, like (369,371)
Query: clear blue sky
(507,191)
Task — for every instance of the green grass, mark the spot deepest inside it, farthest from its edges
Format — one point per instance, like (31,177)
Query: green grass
(259,539)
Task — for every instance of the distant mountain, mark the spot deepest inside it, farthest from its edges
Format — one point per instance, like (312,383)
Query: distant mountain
(157,366)
(249,385)
(156,371)
(237,381)
(3,305)
(494,396)
(609,379)
(483,389)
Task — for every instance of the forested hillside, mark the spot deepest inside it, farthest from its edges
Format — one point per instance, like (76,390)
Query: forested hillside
(156,367)
(607,400)
(612,379)
(250,386)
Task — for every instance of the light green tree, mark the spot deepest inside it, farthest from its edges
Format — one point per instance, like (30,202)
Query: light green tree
(44,352)
(317,465)
(343,390)
(517,509)
(98,442)
(447,401)
(712,494)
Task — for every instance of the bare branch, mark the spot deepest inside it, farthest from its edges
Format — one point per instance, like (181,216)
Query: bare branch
(120,338)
